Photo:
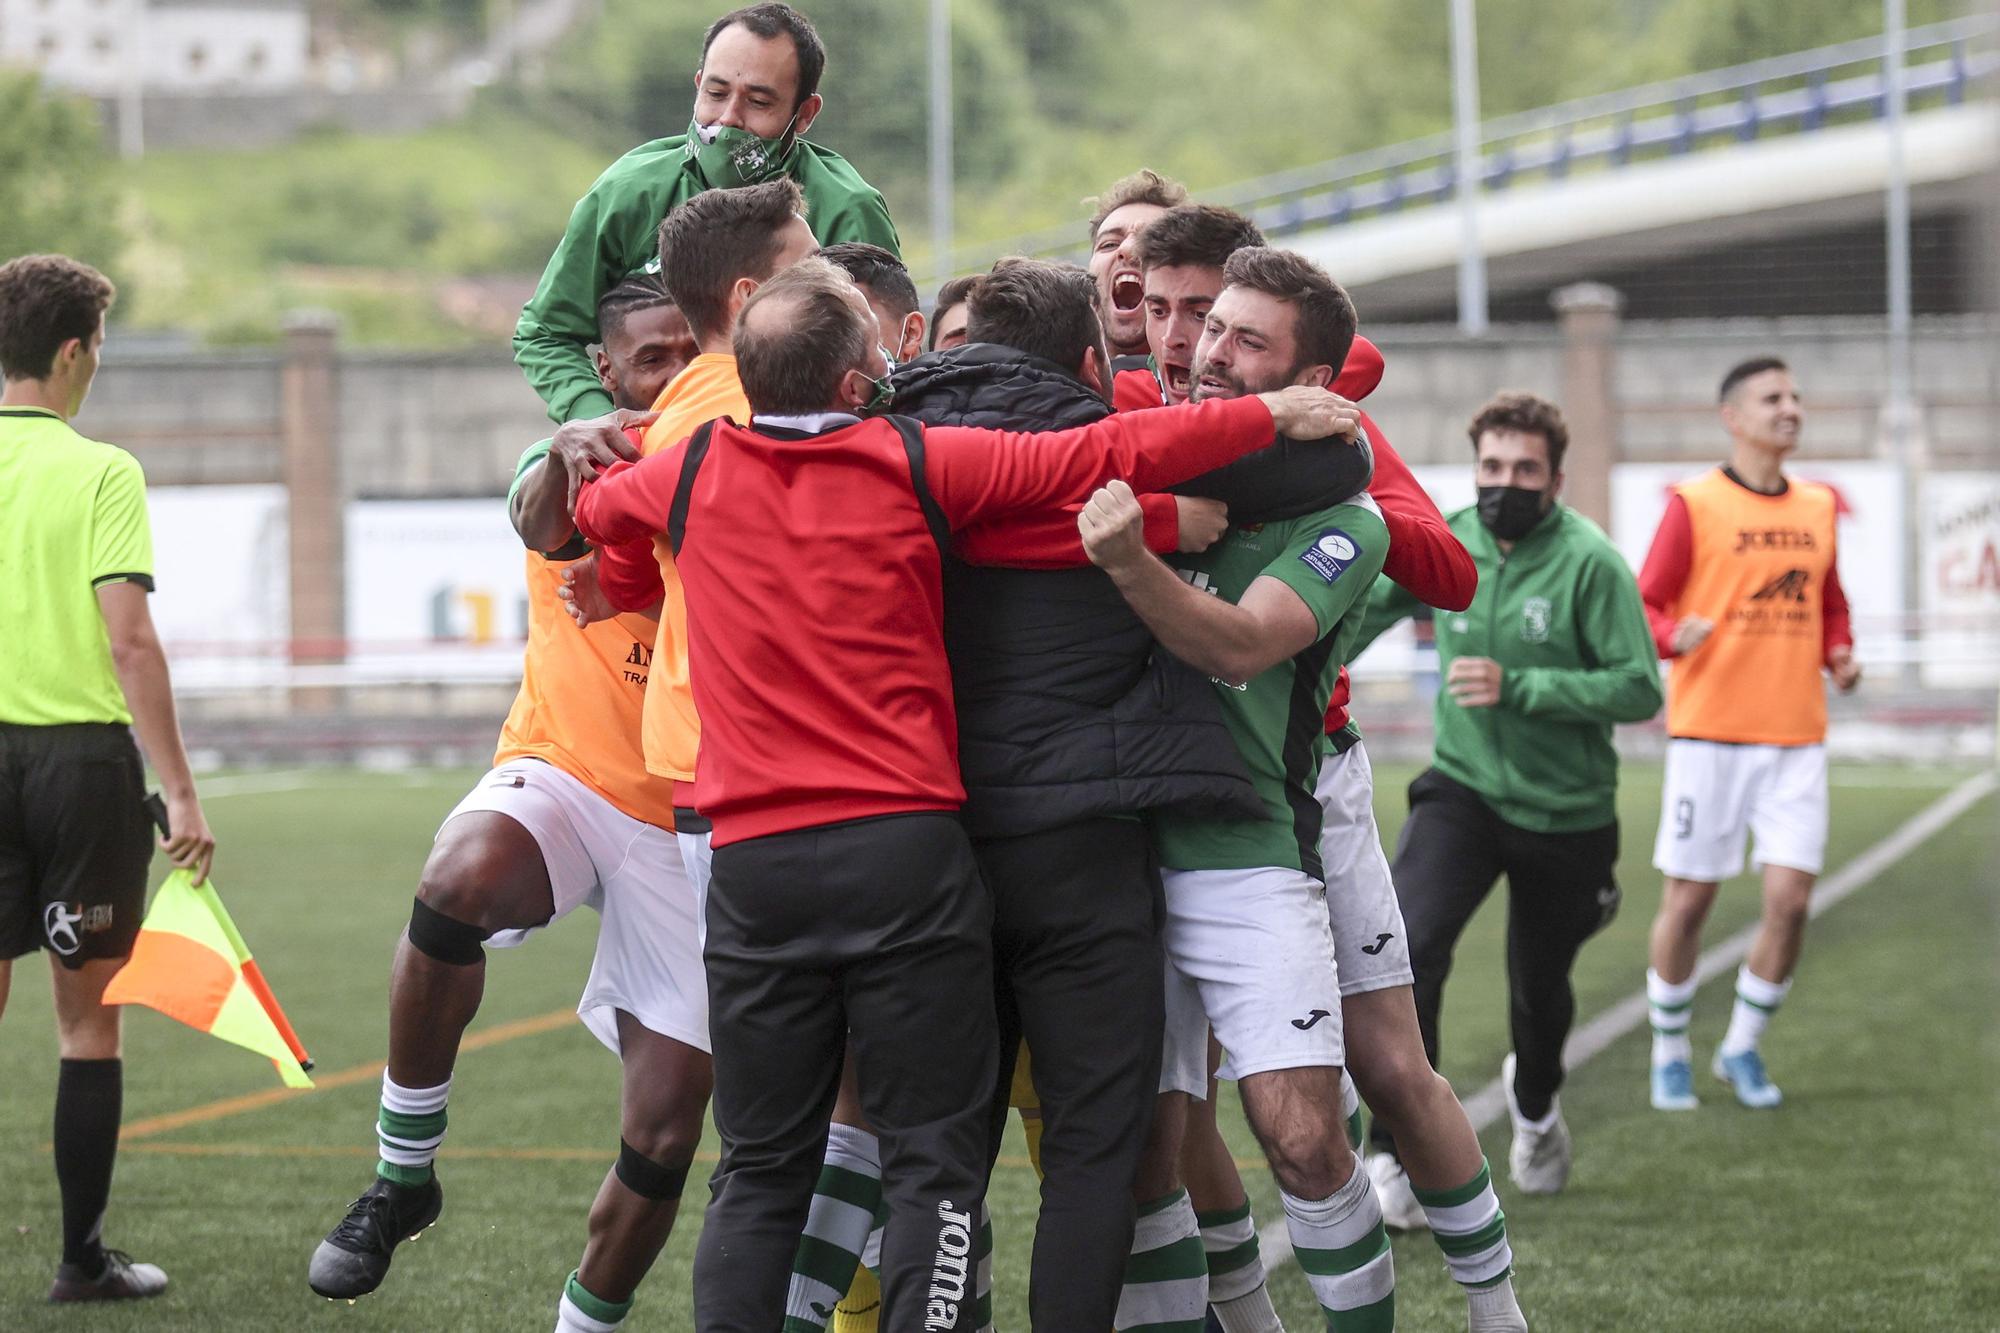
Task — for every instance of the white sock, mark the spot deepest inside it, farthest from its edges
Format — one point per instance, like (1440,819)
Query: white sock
(1668,1005)
(409,1127)
(1494,1309)
(1756,1000)
(569,1319)
(1249,1313)
(1166,1279)
(1341,1245)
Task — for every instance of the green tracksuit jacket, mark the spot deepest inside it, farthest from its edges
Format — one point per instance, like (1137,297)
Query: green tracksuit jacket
(1561,614)
(614,232)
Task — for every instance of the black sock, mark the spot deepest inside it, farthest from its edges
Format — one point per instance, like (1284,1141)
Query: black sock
(90,1096)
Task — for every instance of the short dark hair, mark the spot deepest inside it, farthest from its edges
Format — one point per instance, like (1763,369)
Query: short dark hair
(1144,186)
(641,291)
(1200,234)
(45,300)
(876,269)
(796,366)
(1743,370)
(952,293)
(719,236)
(1044,309)
(1323,317)
(778,20)
(1527,413)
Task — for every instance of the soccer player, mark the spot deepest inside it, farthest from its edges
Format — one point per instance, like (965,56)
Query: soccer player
(1552,652)
(948,315)
(1268,612)
(756,96)
(844,901)
(1743,591)
(81,669)
(568,815)
(1118,215)
(886,285)
(1184,252)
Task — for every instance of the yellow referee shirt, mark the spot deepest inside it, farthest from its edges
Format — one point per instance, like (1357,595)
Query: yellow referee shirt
(72,518)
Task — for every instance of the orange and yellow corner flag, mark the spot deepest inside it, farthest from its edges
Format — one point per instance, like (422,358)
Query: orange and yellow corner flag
(190,964)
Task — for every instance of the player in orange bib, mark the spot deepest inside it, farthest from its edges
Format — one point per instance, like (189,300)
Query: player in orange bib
(1743,593)
(568,815)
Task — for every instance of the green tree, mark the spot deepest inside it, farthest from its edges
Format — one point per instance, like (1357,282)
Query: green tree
(61,193)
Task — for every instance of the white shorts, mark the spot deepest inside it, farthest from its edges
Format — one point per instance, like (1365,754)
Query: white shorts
(1716,794)
(1369,941)
(648,960)
(1249,953)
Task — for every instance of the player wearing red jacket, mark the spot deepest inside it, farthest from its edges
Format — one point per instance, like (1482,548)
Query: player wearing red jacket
(1182,254)
(844,900)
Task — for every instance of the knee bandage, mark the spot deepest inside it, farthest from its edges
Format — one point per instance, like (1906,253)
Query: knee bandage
(436,935)
(647,1178)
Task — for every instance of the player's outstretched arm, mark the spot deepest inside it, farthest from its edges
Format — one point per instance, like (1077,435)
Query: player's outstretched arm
(142,673)
(545,492)
(1232,641)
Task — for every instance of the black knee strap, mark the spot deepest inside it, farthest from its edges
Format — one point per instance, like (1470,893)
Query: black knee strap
(647,1178)
(436,935)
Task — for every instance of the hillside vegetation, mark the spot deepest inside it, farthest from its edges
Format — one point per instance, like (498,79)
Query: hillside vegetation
(1053,98)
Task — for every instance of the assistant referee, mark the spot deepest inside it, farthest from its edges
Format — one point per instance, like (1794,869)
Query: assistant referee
(80,669)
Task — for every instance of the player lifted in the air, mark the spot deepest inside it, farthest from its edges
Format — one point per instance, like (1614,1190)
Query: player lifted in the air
(1744,596)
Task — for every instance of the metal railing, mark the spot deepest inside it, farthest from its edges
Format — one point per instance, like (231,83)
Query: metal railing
(1945,64)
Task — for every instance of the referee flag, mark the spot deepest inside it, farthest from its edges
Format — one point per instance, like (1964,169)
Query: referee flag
(191,964)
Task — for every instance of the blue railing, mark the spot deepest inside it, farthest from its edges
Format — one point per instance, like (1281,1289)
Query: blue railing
(1944,65)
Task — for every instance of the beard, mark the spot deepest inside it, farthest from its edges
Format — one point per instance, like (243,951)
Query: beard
(1228,384)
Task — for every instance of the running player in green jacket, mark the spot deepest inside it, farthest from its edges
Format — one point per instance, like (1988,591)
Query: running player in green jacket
(1554,650)
(756,95)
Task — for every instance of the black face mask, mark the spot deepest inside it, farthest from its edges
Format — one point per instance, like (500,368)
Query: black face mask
(1511,512)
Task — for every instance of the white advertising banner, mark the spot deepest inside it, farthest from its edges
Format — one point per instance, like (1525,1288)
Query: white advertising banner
(221,561)
(1960,592)
(435,590)
(1869,496)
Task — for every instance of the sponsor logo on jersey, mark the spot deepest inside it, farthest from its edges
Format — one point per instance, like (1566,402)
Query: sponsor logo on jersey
(1535,614)
(1330,556)
(1789,586)
(1774,539)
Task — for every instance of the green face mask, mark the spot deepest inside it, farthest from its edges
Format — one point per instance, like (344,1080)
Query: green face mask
(884,391)
(729,157)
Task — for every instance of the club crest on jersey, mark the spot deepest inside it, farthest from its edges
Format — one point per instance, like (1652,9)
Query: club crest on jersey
(1535,614)
(1330,556)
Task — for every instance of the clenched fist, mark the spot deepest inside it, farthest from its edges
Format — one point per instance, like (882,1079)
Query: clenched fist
(1202,523)
(1113,527)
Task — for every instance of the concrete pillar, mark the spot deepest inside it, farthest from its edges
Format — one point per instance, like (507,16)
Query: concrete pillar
(313,497)
(1588,313)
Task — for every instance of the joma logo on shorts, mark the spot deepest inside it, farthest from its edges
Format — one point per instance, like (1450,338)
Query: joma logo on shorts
(949,1268)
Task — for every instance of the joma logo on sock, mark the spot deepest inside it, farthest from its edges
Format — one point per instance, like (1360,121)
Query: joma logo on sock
(949,1268)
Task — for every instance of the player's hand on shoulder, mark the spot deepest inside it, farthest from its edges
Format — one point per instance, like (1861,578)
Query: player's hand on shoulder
(587,447)
(1691,633)
(1113,527)
(1307,412)
(190,846)
(1202,522)
(582,595)
(1845,670)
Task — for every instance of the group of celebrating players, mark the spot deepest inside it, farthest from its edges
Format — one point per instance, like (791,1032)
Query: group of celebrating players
(948,713)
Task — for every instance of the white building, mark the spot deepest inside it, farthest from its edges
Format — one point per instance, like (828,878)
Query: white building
(99,47)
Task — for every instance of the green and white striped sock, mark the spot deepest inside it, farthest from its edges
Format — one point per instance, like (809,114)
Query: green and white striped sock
(1166,1279)
(581,1312)
(1471,1230)
(1668,1006)
(843,1213)
(1340,1243)
(409,1126)
(1235,1265)
(1756,1000)
(1350,1106)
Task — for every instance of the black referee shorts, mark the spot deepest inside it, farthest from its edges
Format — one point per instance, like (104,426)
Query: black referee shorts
(75,841)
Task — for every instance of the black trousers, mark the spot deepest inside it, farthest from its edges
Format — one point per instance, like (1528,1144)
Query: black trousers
(876,932)
(1078,964)
(1561,890)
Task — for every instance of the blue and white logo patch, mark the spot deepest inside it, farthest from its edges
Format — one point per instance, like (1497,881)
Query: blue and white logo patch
(1330,556)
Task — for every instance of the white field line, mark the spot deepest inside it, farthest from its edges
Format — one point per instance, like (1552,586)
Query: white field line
(1488,1106)
(294,779)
